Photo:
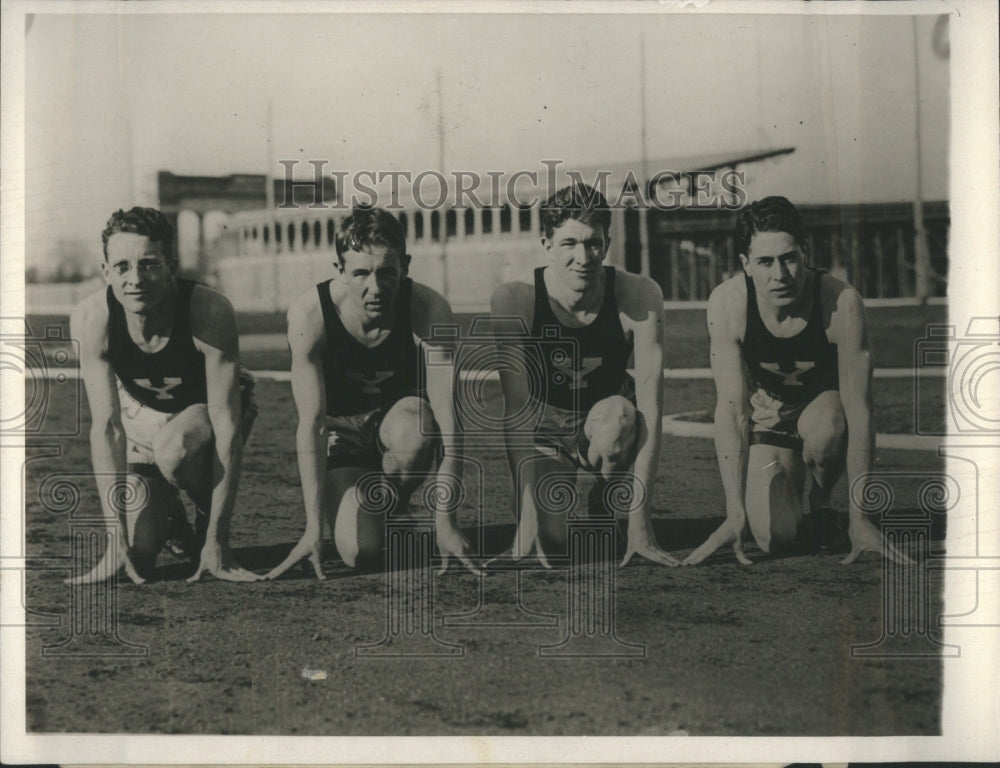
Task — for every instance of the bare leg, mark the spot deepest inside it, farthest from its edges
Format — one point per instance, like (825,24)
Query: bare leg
(184,453)
(153,502)
(358,526)
(410,436)
(362,498)
(610,437)
(547,493)
(823,428)
(775,484)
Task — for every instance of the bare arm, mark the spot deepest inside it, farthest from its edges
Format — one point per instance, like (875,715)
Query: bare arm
(731,418)
(855,378)
(305,341)
(731,424)
(513,303)
(855,364)
(646,319)
(213,325)
(89,327)
(429,311)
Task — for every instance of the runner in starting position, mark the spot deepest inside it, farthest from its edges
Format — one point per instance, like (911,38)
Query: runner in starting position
(369,432)
(793,370)
(170,407)
(585,321)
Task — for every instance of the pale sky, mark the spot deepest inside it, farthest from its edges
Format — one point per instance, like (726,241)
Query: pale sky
(111,99)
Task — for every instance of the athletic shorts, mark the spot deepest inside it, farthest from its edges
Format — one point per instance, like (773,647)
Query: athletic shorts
(558,434)
(354,440)
(774,422)
(142,424)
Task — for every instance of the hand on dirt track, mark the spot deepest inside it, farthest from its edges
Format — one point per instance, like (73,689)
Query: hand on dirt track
(451,543)
(218,561)
(730,533)
(642,542)
(114,559)
(865,537)
(307,547)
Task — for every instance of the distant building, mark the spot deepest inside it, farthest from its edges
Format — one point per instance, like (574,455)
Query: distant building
(198,206)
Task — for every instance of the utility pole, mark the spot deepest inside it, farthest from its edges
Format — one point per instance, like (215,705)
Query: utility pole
(443,220)
(269,217)
(644,181)
(921,257)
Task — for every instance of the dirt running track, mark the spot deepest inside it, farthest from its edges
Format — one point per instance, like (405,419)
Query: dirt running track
(764,650)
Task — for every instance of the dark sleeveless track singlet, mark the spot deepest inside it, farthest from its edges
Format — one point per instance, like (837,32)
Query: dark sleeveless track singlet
(169,380)
(793,370)
(580,365)
(360,379)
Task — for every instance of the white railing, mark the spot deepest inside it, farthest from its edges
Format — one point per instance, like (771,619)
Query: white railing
(265,261)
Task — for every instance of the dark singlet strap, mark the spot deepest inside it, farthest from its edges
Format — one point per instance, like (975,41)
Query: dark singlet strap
(325,302)
(821,336)
(752,311)
(609,290)
(817,311)
(182,317)
(542,309)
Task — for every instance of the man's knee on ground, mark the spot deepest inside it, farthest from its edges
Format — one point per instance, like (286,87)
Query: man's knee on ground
(362,555)
(823,429)
(411,437)
(361,545)
(773,495)
(612,430)
(181,447)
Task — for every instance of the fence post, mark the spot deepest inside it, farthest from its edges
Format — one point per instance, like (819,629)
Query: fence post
(643,243)
(858,277)
(675,293)
(902,268)
(713,263)
(879,266)
(692,273)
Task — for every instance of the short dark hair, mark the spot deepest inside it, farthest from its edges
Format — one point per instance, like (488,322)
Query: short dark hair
(578,201)
(772,214)
(368,226)
(142,221)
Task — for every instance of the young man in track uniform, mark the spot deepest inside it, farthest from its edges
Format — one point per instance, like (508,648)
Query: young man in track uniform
(170,407)
(367,435)
(792,370)
(594,417)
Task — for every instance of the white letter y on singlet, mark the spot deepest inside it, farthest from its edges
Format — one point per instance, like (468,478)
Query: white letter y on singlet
(162,393)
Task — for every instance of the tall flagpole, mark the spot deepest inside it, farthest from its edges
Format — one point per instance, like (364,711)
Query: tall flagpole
(921,258)
(269,216)
(644,181)
(269,170)
(443,218)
